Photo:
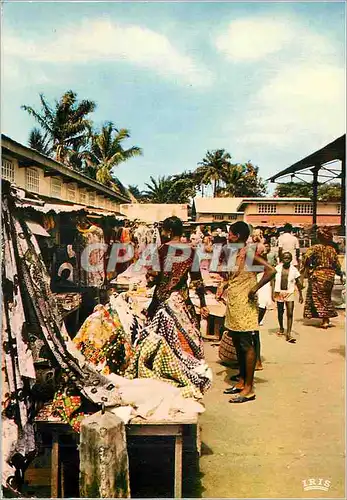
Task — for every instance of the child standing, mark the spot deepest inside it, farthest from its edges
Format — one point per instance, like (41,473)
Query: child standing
(283,287)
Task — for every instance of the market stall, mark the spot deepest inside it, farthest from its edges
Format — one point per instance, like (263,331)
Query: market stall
(135,368)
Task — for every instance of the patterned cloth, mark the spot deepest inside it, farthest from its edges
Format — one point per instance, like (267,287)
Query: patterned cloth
(321,264)
(241,313)
(182,344)
(318,302)
(176,280)
(155,359)
(102,341)
(29,303)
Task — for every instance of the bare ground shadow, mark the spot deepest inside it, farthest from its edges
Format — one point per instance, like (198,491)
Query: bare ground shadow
(339,350)
(206,450)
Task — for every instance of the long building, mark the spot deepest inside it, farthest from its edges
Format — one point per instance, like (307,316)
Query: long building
(53,181)
(265,211)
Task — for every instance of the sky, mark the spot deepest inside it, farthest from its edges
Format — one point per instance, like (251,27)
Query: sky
(263,80)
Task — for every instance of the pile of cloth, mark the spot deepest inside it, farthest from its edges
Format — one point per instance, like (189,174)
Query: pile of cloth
(117,359)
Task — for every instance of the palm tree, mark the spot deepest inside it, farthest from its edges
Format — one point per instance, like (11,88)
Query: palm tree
(65,124)
(232,176)
(106,152)
(158,191)
(135,192)
(39,141)
(212,168)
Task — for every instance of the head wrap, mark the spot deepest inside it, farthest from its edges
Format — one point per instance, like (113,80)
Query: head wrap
(324,233)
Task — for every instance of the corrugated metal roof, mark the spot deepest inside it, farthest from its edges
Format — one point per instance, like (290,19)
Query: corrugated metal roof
(335,150)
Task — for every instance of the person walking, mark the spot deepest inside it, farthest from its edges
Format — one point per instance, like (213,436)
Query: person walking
(320,264)
(287,242)
(241,318)
(287,277)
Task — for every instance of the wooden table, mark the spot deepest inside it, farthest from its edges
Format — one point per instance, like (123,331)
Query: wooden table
(136,427)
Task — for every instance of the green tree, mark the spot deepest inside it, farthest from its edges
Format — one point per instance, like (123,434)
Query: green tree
(232,175)
(212,168)
(158,190)
(106,151)
(249,183)
(179,188)
(135,192)
(326,192)
(329,192)
(39,141)
(65,124)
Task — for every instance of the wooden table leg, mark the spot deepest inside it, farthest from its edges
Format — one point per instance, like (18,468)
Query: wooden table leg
(55,465)
(178,467)
(62,481)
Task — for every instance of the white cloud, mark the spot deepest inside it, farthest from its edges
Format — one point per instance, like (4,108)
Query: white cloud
(103,40)
(253,39)
(300,109)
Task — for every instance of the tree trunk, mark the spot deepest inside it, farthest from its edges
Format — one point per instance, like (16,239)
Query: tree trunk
(104,467)
(215,188)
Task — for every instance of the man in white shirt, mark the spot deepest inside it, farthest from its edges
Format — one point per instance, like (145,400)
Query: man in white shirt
(287,242)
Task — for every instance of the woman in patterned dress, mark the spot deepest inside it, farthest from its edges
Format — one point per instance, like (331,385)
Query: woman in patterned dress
(320,264)
(241,318)
(178,261)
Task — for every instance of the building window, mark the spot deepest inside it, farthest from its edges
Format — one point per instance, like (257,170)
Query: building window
(267,208)
(7,169)
(83,197)
(71,192)
(338,209)
(56,185)
(303,208)
(32,180)
(232,217)
(91,200)
(219,217)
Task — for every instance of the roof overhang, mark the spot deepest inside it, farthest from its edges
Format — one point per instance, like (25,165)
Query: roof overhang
(248,201)
(30,157)
(333,151)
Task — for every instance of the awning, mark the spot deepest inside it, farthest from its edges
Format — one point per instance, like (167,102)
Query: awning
(62,208)
(37,229)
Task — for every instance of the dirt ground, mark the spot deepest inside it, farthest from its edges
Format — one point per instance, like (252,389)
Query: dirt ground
(293,431)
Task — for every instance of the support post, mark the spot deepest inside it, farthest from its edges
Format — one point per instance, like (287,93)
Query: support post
(104,467)
(315,171)
(55,466)
(343,196)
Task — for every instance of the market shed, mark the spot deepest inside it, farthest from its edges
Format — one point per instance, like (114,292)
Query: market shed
(325,165)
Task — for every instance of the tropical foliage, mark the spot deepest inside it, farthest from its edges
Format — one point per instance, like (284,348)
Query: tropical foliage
(229,179)
(39,141)
(170,189)
(326,192)
(64,126)
(106,151)
(67,134)
(248,182)
(213,168)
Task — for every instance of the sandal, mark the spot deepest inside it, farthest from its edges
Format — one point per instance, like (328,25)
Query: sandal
(279,333)
(242,399)
(291,340)
(232,390)
(235,378)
